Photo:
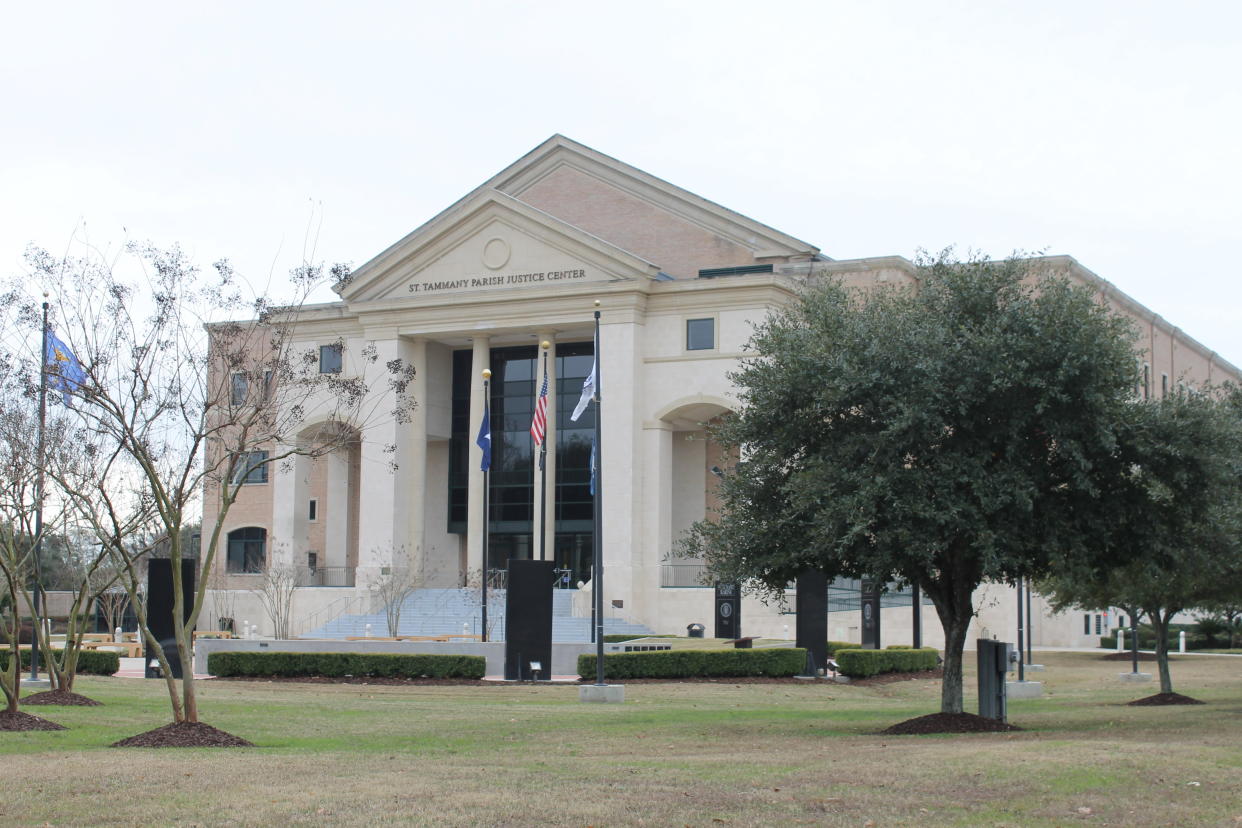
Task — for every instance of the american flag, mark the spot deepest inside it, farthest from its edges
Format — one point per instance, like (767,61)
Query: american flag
(539,425)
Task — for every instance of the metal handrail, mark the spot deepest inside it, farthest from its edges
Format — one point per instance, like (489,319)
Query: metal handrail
(678,575)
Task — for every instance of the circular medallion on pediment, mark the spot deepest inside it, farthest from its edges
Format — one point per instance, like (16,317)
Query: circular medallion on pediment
(496,253)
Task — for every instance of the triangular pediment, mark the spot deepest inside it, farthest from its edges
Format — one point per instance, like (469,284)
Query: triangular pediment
(491,243)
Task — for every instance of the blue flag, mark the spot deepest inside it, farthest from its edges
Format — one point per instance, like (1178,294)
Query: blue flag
(484,440)
(592,465)
(64,372)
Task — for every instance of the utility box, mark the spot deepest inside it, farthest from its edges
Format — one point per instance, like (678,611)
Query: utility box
(993,662)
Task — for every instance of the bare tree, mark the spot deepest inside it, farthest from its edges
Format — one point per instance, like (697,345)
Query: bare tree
(223,600)
(275,593)
(183,404)
(391,589)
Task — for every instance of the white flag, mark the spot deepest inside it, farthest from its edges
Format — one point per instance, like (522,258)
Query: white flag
(588,391)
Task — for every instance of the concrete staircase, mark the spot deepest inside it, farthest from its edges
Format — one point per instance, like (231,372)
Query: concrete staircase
(457,611)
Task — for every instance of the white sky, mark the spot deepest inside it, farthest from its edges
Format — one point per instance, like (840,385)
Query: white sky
(1109,131)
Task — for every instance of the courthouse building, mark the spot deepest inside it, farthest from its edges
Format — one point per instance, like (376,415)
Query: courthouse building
(520,260)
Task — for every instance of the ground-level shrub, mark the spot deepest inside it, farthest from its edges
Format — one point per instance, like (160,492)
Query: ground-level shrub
(388,665)
(90,662)
(833,646)
(863,663)
(784,661)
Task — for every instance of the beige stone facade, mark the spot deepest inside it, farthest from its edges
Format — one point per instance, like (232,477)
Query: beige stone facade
(524,258)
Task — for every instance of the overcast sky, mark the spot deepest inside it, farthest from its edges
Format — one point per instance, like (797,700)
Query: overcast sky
(1109,131)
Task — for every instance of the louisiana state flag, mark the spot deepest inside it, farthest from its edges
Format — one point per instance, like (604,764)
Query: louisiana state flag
(64,372)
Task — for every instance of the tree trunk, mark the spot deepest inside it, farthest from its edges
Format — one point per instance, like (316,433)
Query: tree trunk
(1160,620)
(955,615)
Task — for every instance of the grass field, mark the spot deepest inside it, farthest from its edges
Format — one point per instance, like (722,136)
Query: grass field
(673,754)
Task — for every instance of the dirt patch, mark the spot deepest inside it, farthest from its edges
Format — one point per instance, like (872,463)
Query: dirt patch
(61,697)
(1163,699)
(19,721)
(893,678)
(373,680)
(184,734)
(949,723)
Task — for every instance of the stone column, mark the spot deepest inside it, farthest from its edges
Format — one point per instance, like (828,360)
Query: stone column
(621,457)
(414,470)
(384,476)
(657,517)
(335,513)
(287,542)
(474,515)
(549,515)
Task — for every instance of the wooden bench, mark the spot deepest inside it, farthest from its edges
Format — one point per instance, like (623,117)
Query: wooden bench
(132,649)
(211,634)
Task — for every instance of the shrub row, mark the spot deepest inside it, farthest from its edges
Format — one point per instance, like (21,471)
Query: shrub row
(90,662)
(697,664)
(863,663)
(834,646)
(389,665)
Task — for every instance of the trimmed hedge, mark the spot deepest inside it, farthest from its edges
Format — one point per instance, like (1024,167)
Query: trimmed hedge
(864,663)
(90,662)
(834,646)
(388,665)
(783,661)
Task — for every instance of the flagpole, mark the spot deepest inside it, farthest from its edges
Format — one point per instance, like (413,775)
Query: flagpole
(543,467)
(487,375)
(38,545)
(598,516)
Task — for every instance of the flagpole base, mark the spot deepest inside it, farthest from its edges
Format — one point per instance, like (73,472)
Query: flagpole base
(601,693)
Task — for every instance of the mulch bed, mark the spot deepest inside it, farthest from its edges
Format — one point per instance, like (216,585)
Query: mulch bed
(184,734)
(24,721)
(949,723)
(62,697)
(1164,698)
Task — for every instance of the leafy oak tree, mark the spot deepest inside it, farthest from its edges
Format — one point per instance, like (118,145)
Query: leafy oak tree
(1178,526)
(946,433)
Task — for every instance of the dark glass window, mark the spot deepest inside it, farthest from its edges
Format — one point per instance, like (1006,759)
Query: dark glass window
(238,388)
(312,512)
(700,334)
(251,468)
(511,495)
(247,550)
(1086,624)
(330,359)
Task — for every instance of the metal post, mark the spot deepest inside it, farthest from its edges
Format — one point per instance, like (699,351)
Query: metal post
(486,523)
(598,515)
(543,470)
(1021,658)
(1030,627)
(916,599)
(37,594)
(1134,642)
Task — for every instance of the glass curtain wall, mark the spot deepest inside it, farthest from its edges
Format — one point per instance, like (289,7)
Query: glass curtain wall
(511,496)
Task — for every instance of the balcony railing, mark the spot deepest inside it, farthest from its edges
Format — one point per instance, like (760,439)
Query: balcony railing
(684,575)
(326,576)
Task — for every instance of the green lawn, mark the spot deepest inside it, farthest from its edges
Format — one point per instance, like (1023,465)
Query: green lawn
(674,754)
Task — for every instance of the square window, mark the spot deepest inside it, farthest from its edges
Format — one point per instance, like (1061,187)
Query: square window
(700,334)
(330,359)
(251,467)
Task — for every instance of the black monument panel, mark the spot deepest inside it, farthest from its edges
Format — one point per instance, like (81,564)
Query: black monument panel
(528,620)
(812,620)
(160,610)
(870,614)
(728,611)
